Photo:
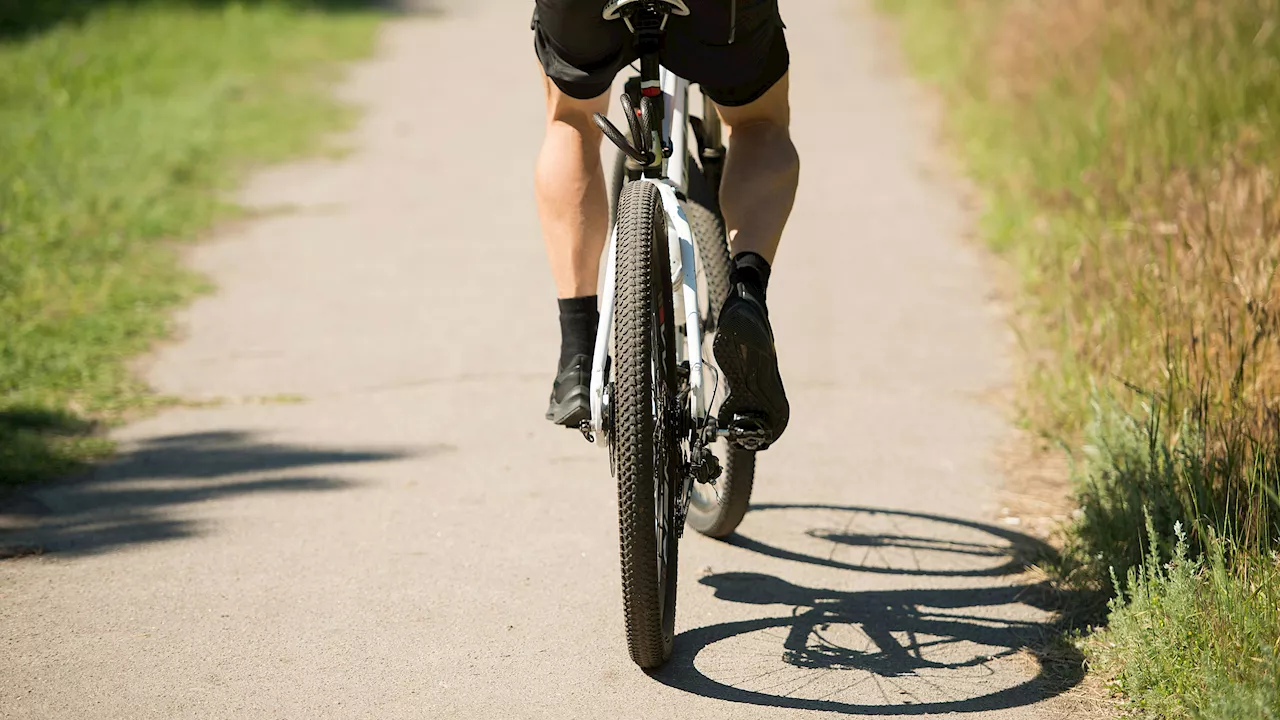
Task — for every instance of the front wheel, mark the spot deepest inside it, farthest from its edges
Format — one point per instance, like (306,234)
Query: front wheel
(645,452)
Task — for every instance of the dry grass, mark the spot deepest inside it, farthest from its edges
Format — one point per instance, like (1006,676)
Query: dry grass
(1136,190)
(1128,152)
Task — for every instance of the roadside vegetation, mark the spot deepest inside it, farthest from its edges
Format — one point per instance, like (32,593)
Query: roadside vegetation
(123,125)
(1127,153)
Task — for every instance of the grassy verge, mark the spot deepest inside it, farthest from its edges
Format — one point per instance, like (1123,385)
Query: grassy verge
(122,124)
(1128,152)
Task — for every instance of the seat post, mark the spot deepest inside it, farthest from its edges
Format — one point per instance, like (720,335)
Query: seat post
(647,20)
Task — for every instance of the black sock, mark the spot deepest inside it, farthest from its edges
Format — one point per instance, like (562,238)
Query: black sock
(752,270)
(578,320)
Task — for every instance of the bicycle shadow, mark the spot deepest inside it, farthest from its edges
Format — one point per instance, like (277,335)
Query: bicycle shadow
(886,652)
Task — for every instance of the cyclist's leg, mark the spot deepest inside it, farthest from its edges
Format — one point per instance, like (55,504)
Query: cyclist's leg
(757,192)
(580,53)
(761,172)
(571,192)
(741,62)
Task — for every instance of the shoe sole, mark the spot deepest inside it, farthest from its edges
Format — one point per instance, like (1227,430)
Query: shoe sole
(744,351)
(571,411)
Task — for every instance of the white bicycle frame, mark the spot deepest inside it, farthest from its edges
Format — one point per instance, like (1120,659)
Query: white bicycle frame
(683,262)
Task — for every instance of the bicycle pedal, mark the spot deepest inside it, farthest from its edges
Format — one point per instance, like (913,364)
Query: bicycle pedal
(748,433)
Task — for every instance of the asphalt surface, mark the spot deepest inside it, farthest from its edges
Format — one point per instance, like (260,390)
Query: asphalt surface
(375,520)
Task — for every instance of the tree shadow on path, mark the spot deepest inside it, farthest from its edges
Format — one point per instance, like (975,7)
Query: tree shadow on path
(130,500)
(912,651)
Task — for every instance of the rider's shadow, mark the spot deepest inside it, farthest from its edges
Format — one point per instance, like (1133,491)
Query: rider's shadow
(890,652)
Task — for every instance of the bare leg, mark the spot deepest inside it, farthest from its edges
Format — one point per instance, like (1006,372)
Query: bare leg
(571,193)
(761,172)
(756,194)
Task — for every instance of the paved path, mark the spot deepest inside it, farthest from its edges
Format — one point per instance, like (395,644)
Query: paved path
(409,539)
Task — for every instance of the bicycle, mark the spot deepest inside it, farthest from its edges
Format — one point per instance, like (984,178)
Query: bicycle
(649,400)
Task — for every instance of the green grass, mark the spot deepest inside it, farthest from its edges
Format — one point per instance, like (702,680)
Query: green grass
(1196,636)
(1129,152)
(123,127)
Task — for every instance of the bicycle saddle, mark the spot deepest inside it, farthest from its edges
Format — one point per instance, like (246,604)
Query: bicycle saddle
(613,9)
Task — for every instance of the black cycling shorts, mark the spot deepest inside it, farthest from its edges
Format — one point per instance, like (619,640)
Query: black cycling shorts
(735,53)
